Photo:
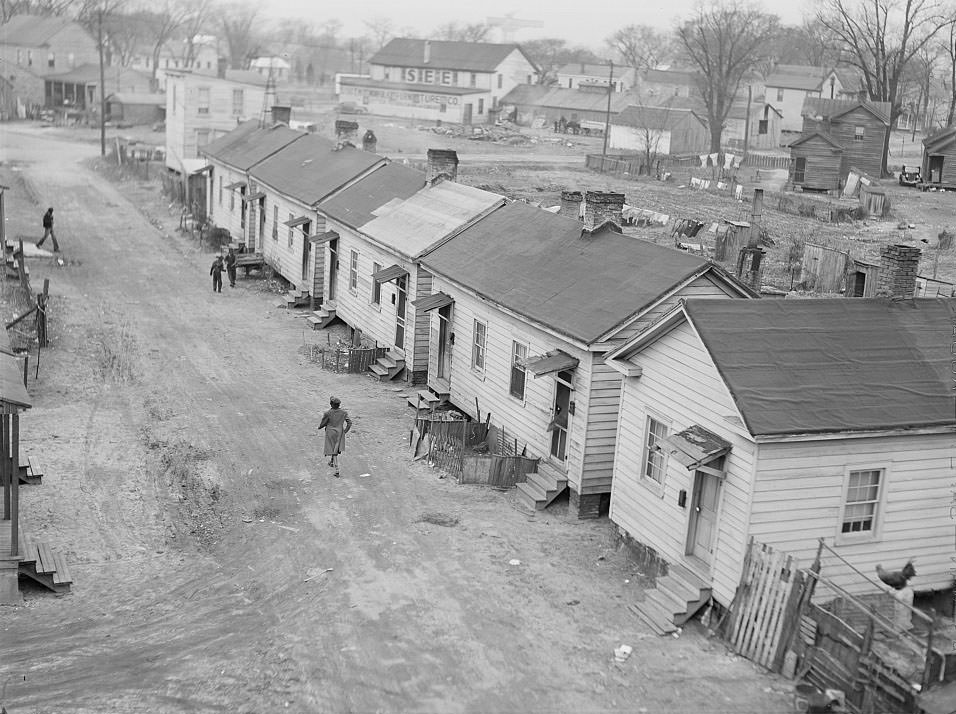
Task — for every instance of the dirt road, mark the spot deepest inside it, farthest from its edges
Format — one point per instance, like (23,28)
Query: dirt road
(219,567)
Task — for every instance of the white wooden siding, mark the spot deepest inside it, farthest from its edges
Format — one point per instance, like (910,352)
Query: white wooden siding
(221,214)
(286,260)
(680,384)
(603,406)
(799,494)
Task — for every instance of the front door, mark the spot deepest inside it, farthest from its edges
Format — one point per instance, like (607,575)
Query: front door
(466,114)
(306,252)
(333,266)
(560,414)
(935,169)
(703,516)
(243,206)
(800,170)
(258,242)
(400,306)
(444,348)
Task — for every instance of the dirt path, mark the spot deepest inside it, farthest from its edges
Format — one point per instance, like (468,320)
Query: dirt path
(186,485)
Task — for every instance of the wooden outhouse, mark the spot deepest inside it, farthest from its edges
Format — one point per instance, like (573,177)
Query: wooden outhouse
(811,431)
(815,161)
(525,304)
(939,159)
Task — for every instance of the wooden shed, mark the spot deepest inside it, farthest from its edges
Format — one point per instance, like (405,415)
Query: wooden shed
(815,161)
(859,128)
(133,108)
(939,159)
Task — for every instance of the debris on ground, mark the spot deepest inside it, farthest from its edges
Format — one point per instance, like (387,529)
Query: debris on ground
(514,561)
(313,573)
(622,653)
(439,519)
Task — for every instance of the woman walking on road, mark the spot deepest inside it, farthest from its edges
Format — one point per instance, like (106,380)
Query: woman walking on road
(337,424)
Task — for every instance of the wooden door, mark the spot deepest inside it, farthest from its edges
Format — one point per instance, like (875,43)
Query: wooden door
(444,346)
(561,414)
(258,243)
(703,516)
(333,267)
(935,169)
(466,114)
(800,169)
(401,303)
(306,251)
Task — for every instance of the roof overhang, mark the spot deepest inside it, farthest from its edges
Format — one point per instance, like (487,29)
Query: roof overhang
(390,273)
(233,186)
(549,363)
(12,392)
(432,302)
(695,447)
(296,222)
(254,196)
(323,237)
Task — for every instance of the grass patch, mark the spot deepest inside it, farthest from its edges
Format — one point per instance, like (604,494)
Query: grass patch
(116,349)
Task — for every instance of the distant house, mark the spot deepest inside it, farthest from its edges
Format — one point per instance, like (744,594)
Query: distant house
(765,126)
(172,55)
(658,85)
(135,108)
(661,130)
(939,158)
(525,305)
(277,68)
(540,106)
(584,75)
(78,89)
(457,82)
(789,85)
(838,134)
(788,421)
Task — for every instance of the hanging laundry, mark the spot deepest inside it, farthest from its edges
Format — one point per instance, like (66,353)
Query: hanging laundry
(713,158)
(703,161)
(721,185)
(706,185)
(729,160)
(738,192)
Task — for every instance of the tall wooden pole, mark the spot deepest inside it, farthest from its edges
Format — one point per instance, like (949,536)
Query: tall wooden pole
(99,33)
(750,91)
(13,469)
(607,114)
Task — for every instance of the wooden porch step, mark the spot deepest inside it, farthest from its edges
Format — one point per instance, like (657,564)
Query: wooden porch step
(423,400)
(321,318)
(541,488)
(41,563)
(654,616)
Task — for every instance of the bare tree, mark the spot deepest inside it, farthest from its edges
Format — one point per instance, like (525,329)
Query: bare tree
(881,38)
(552,53)
(196,23)
(9,8)
(382,29)
(724,41)
(237,24)
(639,46)
(949,49)
(124,32)
(475,32)
(331,29)
(165,22)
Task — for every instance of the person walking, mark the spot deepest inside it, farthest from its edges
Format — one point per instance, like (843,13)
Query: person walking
(337,424)
(216,272)
(48,230)
(231,267)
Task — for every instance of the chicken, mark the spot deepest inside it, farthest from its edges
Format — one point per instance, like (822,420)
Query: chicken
(897,579)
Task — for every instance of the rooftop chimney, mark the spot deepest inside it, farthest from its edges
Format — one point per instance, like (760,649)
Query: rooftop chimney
(281,114)
(898,267)
(428,52)
(442,163)
(369,142)
(345,132)
(602,206)
(571,204)
(221,64)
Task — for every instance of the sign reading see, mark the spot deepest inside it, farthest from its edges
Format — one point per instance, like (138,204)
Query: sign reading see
(429,76)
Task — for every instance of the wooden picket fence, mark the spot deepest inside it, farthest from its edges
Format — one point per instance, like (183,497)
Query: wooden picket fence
(765,592)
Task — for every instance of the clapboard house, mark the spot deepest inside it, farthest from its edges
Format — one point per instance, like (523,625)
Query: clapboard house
(663,130)
(786,421)
(938,168)
(838,134)
(524,305)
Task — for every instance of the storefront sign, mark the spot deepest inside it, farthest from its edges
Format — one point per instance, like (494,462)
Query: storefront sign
(416,75)
(393,96)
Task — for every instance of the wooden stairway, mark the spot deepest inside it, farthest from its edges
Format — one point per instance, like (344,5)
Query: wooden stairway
(424,400)
(677,597)
(294,298)
(321,318)
(38,562)
(388,366)
(541,488)
(31,472)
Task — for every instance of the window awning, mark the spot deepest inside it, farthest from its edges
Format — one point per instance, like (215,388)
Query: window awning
(323,237)
(696,447)
(554,361)
(431,302)
(234,186)
(389,273)
(254,196)
(301,220)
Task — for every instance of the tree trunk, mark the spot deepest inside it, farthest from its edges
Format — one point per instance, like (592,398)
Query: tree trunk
(716,132)
(894,114)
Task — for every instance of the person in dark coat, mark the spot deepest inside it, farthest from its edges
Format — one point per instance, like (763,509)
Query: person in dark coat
(231,267)
(216,272)
(337,424)
(48,230)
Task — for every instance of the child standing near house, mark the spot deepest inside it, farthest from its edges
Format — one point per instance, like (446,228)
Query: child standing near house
(337,424)
(216,272)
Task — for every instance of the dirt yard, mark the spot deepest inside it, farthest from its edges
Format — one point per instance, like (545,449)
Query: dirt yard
(219,567)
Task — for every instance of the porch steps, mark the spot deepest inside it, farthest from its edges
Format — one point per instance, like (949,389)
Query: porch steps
(43,565)
(388,366)
(424,399)
(678,596)
(31,472)
(540,488)
(321,318)
(294,298)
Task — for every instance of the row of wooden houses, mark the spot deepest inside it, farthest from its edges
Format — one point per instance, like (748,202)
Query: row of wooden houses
(648,382)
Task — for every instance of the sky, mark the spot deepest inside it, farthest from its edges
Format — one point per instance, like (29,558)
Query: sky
(580,22)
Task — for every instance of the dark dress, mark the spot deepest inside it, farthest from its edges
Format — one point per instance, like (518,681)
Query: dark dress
(337,424)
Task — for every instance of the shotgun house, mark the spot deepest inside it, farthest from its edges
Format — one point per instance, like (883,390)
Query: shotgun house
(283,194)
(525,303)
(786,421)
(381,279)
(229,159)
(938,168)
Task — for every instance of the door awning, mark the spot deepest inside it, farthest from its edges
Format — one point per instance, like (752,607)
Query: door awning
(696,447)
(389,273)
(234,186)
(295,222)
(12,392)
(323,237)
(553,361)
(254,196)
(432,302)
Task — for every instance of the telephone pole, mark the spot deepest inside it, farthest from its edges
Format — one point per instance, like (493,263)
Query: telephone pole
(99,37)
(607,114)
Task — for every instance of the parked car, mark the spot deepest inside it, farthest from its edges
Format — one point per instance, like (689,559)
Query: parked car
(351,108)
(910,178)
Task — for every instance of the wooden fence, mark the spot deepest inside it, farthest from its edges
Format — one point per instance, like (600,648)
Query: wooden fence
(823,269)
(345,359)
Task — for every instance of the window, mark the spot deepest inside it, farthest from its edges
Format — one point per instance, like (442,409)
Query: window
(237,101)
(762,126)
(353,270)
(655,460)
(19,57)
(519,352)
(174,105)
(861,507)
(275,223)
(474,79)
(167,62)
(387,74)
(570,83)
(859,133)
(481,106)
(202,138)
(29,58)
(479,338)
(780,95)
(220,190)
(442,108)
(291,218)
(500,80)
(51,60)
(203,103)
(232,199)
(376,286)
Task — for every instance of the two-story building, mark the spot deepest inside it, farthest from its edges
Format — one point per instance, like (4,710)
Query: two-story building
(585,75)
(789,85)
(457,82)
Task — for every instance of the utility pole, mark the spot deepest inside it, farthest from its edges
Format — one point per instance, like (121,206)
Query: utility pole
(750,91)
(607,114)
(99,37)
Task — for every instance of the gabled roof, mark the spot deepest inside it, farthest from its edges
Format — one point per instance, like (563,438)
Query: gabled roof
(445,54)
(791,76)
(658,118)
(563,98)
(817,134)
(217,145)
(835,108)
(32,30)
(539,265)
(940,139)
(832,365)
(593,69)
(686,77)
(248,148)
(311,168)
(89,73)
(238,76)
(355,205)
(413,226)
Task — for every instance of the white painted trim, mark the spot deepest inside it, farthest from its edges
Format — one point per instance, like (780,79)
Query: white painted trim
(876,535)
(829,436)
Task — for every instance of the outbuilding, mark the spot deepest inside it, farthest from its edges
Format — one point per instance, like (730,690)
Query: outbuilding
(939,159)
(659,131)
(136,108)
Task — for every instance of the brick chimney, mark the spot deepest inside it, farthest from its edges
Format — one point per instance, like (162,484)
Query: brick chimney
(369,141)
(601,206)
(898,267)
(442,163)
(428,53)
(571,204)
(345,131)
